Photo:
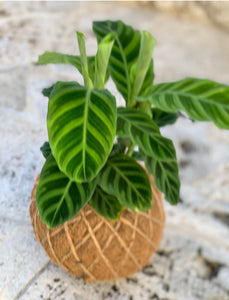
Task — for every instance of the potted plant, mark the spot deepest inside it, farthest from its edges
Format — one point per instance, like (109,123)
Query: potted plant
(95,209)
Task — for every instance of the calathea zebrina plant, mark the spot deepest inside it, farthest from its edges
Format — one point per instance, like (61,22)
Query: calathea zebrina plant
(93,147)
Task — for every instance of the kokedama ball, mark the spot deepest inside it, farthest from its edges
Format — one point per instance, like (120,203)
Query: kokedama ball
(94,248)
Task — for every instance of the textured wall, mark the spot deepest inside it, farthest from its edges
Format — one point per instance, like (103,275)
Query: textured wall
(208,12)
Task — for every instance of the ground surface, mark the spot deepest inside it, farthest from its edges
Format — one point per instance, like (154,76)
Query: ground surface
(193,260)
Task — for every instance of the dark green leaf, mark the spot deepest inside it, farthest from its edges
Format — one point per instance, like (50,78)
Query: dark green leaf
(81,127)
(106,205)
(125,179)
(117,148)
(137,155)
(45,149)
(201,99)
(59,198)
(47,91)
(125,54)
(144,133)
(166,178)
(121,146)
(163,118)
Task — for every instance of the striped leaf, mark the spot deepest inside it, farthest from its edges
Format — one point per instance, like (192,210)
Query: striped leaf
(202,100)
(163,118)
(59,198)
(106,205)
(81,128)
(148,81)
(125,56)
(144,133)
(166,178)
(125,179)
(58,58)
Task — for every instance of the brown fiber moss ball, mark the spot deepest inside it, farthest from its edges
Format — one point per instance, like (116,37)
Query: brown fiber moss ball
(93,248)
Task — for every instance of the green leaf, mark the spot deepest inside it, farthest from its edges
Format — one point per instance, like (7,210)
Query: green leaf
(102,59)
(201,99)
(81,128)
(59,58)
(163,118)
(45,149)
(124,55)
(106,205)
(148,81)
(144,59)
(144,133)
(166,178)
(137,155)
(125,179)
(83,58)
(47,91)
(59,198)
(117,148)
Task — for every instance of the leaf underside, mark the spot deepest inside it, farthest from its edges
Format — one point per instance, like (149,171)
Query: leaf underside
(81,127)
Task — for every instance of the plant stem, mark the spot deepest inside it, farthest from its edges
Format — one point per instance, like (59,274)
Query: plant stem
(145,107)
(130,150)
(131,102)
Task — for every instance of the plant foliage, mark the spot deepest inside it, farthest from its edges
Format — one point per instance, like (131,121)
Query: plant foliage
(93,148)
(58,197)
(81,124)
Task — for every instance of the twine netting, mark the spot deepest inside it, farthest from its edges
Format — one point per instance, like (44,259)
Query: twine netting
(94,248)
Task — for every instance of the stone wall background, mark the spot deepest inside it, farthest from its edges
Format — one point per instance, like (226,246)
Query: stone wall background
(206,12)
(193,260)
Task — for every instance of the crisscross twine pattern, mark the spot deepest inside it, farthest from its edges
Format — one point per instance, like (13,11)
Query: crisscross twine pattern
(93,248)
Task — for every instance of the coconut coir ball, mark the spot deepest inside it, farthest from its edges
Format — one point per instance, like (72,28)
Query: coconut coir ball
(94,248)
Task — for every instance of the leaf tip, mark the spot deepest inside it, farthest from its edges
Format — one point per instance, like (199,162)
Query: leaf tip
(80,34)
